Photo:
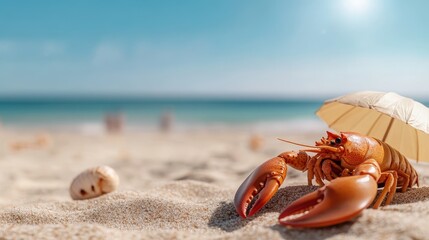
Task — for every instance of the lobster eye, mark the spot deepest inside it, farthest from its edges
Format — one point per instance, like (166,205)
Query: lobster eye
(338,140)
(332,142)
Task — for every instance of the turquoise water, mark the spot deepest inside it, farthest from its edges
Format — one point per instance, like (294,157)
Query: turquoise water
(148,111)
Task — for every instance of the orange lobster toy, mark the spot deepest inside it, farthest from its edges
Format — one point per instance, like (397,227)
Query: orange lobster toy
(355,164)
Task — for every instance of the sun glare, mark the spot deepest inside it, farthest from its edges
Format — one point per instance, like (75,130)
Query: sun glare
(357,7)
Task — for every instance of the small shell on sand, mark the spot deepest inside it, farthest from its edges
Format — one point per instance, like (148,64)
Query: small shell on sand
(94,182)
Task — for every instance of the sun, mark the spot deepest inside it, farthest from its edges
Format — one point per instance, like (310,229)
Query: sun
(357,7)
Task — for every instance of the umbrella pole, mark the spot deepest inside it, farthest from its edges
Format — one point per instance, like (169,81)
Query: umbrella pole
(388,129)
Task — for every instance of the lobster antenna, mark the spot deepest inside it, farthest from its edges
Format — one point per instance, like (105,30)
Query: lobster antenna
(299,144)
(334,149)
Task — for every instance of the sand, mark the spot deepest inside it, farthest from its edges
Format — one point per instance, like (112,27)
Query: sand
(176,185)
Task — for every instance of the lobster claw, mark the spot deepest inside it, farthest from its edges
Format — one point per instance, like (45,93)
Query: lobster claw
(340,200)
(260,186)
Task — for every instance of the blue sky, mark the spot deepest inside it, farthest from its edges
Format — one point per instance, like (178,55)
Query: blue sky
(246,48)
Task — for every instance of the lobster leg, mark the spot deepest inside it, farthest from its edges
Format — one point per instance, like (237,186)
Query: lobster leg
(390,179)
(406,181)
(331,169)
(264,181)
(321,173)
(338,201)
(318,170)
(310,170)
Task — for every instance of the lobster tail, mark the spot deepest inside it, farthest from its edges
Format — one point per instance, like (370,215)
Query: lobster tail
(394,160)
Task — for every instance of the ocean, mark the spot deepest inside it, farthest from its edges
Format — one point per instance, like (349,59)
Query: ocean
(147,112)
(89,114)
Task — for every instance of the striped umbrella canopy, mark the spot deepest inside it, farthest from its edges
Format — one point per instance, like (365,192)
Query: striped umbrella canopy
(399,121)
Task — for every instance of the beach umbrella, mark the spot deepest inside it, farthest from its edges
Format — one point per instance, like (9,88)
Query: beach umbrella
(399,121)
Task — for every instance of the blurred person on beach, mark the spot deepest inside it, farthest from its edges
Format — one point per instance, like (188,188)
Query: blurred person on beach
(166,121)
(114,122)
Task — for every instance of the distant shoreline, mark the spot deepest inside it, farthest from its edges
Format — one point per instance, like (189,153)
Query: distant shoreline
(149,111)
(131,99)
(302,125)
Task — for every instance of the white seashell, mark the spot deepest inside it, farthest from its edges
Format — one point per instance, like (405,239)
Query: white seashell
(94,182)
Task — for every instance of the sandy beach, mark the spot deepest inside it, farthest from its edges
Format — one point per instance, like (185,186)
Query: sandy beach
(180,101)
(173,185)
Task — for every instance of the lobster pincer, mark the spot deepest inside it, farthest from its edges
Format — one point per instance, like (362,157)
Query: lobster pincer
(264,181)
(338,201)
